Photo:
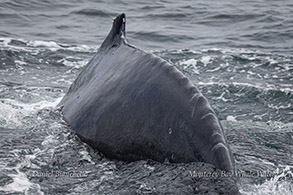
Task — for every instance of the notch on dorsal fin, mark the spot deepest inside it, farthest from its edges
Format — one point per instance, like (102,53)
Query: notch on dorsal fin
(117,33)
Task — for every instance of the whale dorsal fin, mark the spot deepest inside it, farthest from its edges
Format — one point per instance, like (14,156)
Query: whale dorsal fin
(117,33)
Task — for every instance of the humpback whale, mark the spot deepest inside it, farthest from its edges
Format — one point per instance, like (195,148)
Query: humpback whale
(132,105)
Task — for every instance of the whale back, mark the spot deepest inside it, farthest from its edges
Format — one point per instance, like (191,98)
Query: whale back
(132,105)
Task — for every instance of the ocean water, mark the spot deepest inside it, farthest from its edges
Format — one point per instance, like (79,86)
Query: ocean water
(238,53)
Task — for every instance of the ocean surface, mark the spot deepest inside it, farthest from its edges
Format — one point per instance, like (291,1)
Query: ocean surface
(238,53)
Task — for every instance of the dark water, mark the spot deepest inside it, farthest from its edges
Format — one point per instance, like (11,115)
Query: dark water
(239,53)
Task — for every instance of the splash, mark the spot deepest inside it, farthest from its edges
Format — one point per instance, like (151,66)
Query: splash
(281,183)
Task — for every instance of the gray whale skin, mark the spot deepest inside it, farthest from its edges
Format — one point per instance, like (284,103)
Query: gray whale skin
(131,105)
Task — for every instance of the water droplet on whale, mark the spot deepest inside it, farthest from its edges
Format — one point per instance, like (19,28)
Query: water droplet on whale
(170,131)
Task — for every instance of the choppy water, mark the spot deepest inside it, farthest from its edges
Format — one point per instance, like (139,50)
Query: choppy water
(239,53)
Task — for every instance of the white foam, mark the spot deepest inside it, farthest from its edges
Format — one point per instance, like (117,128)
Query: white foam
(31,106)
(281,183)
(206,60)
(43,44)
(221,97)
(49,141)
(231,118)
(215,49)
(190,63)
(20,183)
(35,46)
(251,73)
(151,168)
(75,64)
(214,70)
(86,156)
(278,107)
(13,111)
(265,88)
(53,46)
(271,61)
(5,41)
(229,50)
